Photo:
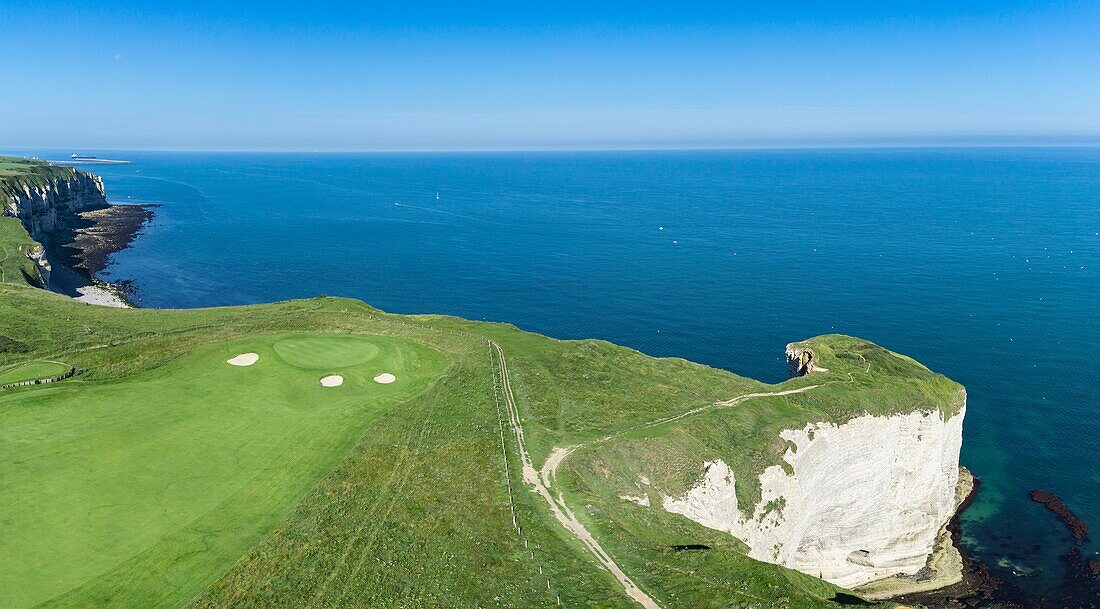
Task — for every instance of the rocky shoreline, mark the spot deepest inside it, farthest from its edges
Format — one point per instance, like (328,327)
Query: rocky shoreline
(980,588)
(945,569)
(100,233)
(67,212)
(976,587)
(83,245)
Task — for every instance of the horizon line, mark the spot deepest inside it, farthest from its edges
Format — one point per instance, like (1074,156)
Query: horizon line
(1090,143)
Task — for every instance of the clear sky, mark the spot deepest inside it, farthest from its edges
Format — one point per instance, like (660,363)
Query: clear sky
(556,74)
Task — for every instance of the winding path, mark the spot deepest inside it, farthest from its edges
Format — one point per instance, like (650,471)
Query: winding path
(557,504)
(559,454)
(542,480)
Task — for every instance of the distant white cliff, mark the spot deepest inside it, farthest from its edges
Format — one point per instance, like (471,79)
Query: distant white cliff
(44,205)
(865,499)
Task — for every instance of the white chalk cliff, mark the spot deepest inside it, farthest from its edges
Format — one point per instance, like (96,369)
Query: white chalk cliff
(865,501)
(45,207)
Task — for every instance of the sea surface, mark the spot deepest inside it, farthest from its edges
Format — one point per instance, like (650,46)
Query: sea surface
(983,264)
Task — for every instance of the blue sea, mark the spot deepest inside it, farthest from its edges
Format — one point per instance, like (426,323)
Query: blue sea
(984,264)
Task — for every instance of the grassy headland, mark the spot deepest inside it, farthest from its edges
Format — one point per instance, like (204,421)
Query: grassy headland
(164,477)
(17,172)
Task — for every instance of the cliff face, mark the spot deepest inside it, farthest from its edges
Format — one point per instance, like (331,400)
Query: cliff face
(800,361)
(48,203)
(857,502)
(42,264)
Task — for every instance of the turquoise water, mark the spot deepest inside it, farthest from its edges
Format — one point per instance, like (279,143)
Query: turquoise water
(982,264)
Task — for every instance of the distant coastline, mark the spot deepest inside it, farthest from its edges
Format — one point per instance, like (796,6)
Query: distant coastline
(78,159)
(67,212)
(95,162)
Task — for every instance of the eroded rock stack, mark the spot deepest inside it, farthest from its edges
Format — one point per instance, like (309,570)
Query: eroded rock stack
(800,361)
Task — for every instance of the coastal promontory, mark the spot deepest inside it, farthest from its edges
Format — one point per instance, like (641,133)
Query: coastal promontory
(321,452)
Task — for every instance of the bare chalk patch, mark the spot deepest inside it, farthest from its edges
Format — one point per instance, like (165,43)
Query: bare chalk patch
(332,380)
(244,359)
(385,378)
(642,500)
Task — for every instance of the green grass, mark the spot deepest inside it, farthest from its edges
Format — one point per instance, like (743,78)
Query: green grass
(164,477)
(325,352)
(17,175)
(30,371)
(863,378)
(17,171)
(15,244)
(178,470)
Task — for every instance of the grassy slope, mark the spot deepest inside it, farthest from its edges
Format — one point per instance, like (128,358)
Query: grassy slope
(745,436)
(15,244)
(415,513)
(16,172)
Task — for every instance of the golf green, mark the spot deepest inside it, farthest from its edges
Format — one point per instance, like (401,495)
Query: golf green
(144,491)
(326,351)
(30,371)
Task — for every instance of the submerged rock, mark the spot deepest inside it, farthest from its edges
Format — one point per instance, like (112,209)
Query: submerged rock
(1052,502)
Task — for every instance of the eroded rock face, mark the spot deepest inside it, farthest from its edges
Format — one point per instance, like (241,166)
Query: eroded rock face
(44,209)
(800,361)
(38,256)
(865,501)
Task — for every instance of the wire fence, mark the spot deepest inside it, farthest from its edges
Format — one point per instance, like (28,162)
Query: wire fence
(497,390)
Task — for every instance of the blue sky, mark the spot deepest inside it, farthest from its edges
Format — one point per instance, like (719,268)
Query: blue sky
(354,76)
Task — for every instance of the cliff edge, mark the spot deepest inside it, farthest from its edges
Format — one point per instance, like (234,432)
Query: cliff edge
(851,502)
(58,207)
(700,484)
(848,472)
(45,198)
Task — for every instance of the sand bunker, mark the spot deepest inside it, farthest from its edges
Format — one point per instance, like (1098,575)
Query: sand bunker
(385,378)
(244,359)
(332,380)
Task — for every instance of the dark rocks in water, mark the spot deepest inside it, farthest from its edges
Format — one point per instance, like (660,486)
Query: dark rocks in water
(1081,584)
(99,233)
(1052,502)
(80,247)
(1082,579)
(979,587)
(126,287)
